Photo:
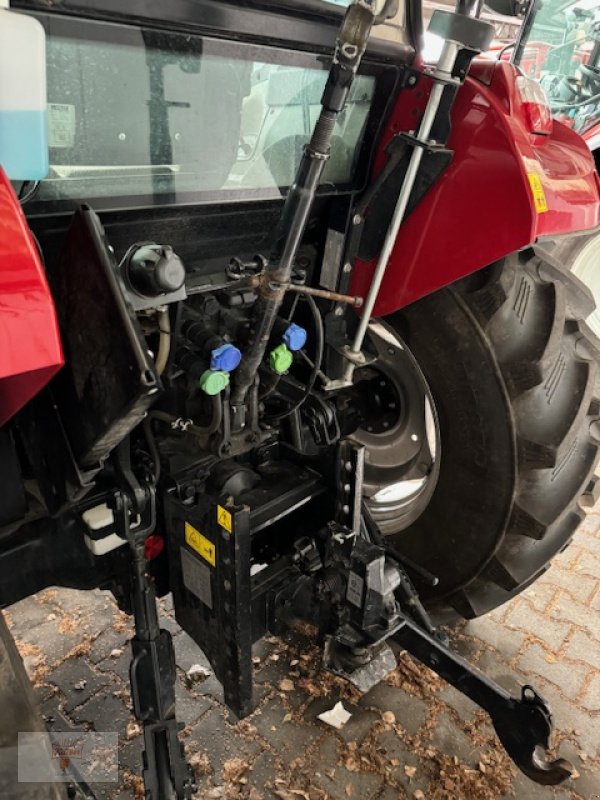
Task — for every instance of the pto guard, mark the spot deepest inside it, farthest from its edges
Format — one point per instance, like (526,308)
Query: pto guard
(503,189)
(31,352)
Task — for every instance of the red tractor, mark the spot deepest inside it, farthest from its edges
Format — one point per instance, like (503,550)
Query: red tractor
(321,360)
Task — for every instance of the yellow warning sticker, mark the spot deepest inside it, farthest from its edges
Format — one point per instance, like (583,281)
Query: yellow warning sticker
(537,190)
(200,544)
(224,519)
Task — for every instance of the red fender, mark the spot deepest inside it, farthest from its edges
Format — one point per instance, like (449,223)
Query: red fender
(31,352)
(503,189)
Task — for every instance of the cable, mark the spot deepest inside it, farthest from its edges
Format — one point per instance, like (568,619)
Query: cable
(505,49)
(25,197)
(39,247)
(320,334)
(164,342)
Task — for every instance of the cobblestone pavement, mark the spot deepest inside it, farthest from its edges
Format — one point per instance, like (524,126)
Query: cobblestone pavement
(422,740)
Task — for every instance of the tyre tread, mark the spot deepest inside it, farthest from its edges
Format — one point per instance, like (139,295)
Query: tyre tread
(563,456)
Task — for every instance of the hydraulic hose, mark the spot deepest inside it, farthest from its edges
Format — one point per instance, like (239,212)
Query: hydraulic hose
(164,340)
(320,348)
(350,46)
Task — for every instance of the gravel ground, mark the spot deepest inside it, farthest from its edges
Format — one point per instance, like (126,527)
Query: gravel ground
(410,737)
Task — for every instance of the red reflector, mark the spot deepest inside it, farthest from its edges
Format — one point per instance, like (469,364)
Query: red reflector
(153,546)
(534,106)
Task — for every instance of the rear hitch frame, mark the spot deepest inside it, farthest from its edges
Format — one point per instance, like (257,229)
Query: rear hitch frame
(375,577)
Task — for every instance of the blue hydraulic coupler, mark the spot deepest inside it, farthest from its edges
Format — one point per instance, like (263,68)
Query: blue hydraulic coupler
(225,358)
(295,337)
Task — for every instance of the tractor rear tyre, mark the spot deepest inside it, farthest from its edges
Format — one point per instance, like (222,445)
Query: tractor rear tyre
(512,369)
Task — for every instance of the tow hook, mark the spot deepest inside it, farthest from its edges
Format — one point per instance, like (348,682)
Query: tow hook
(523,725)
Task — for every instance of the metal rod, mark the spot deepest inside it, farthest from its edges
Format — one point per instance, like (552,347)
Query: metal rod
(349,299)
(444,70)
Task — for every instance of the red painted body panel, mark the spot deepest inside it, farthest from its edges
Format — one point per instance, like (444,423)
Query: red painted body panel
(482,207)
(31,351)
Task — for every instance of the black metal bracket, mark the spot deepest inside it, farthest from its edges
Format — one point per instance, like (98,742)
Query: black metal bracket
(523,725)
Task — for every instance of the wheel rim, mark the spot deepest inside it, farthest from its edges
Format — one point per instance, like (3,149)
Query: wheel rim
(586,266)
(402,444)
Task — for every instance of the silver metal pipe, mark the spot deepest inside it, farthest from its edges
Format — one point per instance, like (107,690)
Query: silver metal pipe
(444,69)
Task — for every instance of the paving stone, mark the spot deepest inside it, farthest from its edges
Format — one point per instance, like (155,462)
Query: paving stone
(409,711)
(395,749)
(51,709)
(77,673)
(588,544)
(104,712)
(591,523)
(263,773)
(569,611)
(589,564)
(166,603)
(273,670)
(509,642)
(568,677)
(80,603)
(214,736)
(130,754)
(117,665)
(53,644)
(290,738)
(189,706)
(27,614)
(168,623)
(579,586)
(527,619)
(582,647)
(106,642)
(541,593)
(450,740)
(364,785)
(591,699)
(187,652)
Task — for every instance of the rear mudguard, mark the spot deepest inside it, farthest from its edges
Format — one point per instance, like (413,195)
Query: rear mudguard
(504,189)
(30,350)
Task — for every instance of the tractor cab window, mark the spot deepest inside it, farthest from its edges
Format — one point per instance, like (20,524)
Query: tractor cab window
(562,51)
(142,116)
